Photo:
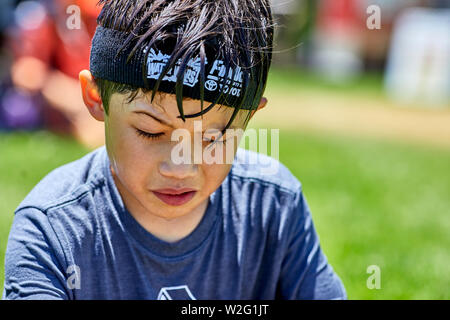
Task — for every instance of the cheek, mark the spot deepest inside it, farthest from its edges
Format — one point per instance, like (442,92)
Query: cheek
(133,160)
(214,175)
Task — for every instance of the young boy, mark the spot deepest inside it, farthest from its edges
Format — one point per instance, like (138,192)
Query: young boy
(130,221)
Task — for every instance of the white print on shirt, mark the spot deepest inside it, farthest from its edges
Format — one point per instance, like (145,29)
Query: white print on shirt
(157,61)
(74,277)
(175,293)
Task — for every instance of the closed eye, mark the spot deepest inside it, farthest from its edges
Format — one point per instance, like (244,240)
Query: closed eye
(148,135)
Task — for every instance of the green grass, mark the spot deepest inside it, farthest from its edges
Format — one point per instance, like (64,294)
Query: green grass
(373,203)
(377,203)
(288,80)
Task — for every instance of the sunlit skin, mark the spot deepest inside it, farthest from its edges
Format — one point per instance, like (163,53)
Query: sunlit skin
(141,165)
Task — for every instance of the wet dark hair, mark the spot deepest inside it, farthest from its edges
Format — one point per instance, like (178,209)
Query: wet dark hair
(241,30)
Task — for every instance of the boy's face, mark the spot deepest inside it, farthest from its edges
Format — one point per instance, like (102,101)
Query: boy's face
(143,167)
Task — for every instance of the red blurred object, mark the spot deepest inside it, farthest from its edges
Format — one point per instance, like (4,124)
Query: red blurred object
(338,15)
(89,7)
(73,51)
(38,42)
(55,44)
(63,45)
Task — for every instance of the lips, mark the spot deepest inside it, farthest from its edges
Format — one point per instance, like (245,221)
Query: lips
(175,197)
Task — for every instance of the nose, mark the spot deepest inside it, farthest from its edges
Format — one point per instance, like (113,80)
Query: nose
(177,171)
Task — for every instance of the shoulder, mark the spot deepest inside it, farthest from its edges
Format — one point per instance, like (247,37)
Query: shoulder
(261,169)
(67,183)
(33,252)
(64,209)
(261,188)
(263,206)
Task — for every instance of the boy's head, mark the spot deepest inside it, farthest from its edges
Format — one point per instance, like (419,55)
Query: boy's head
(159,65)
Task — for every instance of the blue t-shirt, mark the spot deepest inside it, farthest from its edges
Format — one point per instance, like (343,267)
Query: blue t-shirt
(73,238)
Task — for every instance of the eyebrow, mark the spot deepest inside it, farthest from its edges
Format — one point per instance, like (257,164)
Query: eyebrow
(154,117)
(169,124)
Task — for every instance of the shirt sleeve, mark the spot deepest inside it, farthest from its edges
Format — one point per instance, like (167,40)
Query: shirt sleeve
(33,259)
(306,273)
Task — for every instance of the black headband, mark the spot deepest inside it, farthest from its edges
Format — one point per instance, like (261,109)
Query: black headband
(109,61)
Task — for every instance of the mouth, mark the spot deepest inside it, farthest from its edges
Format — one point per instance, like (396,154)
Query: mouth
(175,197)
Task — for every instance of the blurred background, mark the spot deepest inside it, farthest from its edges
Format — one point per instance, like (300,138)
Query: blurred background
(360,90)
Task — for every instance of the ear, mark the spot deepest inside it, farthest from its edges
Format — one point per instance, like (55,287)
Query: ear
(91,96)
(261,105)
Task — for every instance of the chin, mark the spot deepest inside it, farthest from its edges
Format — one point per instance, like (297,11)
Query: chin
(168,212)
